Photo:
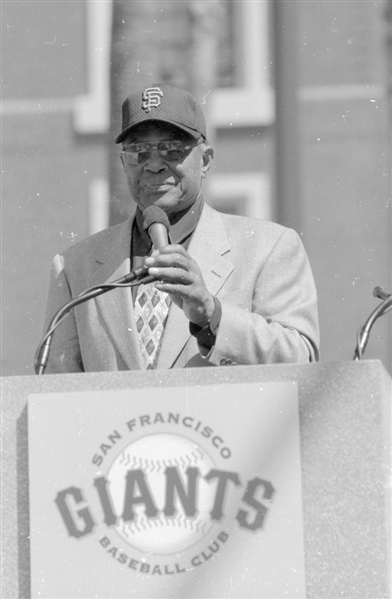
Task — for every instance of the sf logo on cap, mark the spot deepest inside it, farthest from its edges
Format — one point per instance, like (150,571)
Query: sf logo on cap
(151,98)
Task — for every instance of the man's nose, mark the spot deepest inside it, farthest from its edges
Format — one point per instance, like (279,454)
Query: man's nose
(155,163)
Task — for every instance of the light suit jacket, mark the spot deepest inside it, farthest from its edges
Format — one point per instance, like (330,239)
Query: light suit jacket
(259,270)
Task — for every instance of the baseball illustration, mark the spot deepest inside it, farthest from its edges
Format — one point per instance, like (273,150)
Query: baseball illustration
(162,467)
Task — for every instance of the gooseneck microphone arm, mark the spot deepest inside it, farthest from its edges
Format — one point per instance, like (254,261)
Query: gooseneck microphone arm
(156,222)
(364,332)
(42,353)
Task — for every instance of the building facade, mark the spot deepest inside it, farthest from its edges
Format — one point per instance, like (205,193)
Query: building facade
(298,102)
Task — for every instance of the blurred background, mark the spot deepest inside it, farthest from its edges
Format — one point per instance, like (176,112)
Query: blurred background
(297,96)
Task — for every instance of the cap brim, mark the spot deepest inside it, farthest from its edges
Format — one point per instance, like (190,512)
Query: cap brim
(124,132)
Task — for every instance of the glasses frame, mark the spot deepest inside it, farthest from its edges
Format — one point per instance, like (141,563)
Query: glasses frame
(154,145)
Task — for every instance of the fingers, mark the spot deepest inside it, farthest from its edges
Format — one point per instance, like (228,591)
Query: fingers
(175,262)
(177,273)
(172,264)
(174,247)
(171,256)
(172,280)
(178,293)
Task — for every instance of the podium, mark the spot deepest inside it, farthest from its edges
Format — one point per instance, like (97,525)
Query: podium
(333,525)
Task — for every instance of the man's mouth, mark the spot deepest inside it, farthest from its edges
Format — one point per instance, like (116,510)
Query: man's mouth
(157,185)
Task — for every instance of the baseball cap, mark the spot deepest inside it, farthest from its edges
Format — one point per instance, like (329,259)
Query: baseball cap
(163,102)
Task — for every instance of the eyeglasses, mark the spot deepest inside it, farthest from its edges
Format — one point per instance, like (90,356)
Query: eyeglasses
(170,151)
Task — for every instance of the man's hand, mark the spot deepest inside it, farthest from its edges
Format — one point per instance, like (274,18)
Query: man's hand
(180,276)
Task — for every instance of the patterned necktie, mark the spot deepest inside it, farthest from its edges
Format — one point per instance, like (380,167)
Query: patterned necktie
(151,309)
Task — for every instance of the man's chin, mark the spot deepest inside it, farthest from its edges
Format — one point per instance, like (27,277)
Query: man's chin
(165,200)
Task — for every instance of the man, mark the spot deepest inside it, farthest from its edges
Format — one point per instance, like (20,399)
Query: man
(228,290)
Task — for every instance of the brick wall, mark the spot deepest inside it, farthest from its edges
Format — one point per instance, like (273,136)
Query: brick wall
(47,166)
(344,144)
(345,167)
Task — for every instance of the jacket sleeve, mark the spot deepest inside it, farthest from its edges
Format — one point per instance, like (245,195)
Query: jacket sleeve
(275,320)
(65,355)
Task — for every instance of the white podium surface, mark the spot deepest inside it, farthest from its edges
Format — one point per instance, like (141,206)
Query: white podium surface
(331,541)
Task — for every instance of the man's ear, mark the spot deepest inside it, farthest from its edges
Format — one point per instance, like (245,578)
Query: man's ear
(122,160)
(207,157)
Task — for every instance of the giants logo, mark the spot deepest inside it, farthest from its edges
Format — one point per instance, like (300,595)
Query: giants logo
(151,98)
(163,495)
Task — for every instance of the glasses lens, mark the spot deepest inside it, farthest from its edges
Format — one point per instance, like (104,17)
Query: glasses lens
(137,153)
(169,150)
(172,150)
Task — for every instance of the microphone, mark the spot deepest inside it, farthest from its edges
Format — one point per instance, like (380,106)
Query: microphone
(381,293)
(364,332)
(156,223)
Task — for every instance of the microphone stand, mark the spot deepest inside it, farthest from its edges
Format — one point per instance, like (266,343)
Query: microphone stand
(364,332)
(137,277)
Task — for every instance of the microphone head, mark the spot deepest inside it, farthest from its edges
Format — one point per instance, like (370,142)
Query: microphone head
(156,223)
(152,215)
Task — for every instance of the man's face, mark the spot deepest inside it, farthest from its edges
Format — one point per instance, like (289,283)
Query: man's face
(173,186)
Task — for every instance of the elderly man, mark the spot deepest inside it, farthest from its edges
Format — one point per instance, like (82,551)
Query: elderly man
(227,289)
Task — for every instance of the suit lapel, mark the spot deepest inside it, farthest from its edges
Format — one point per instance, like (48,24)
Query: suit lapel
(208,247)
(116,306)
